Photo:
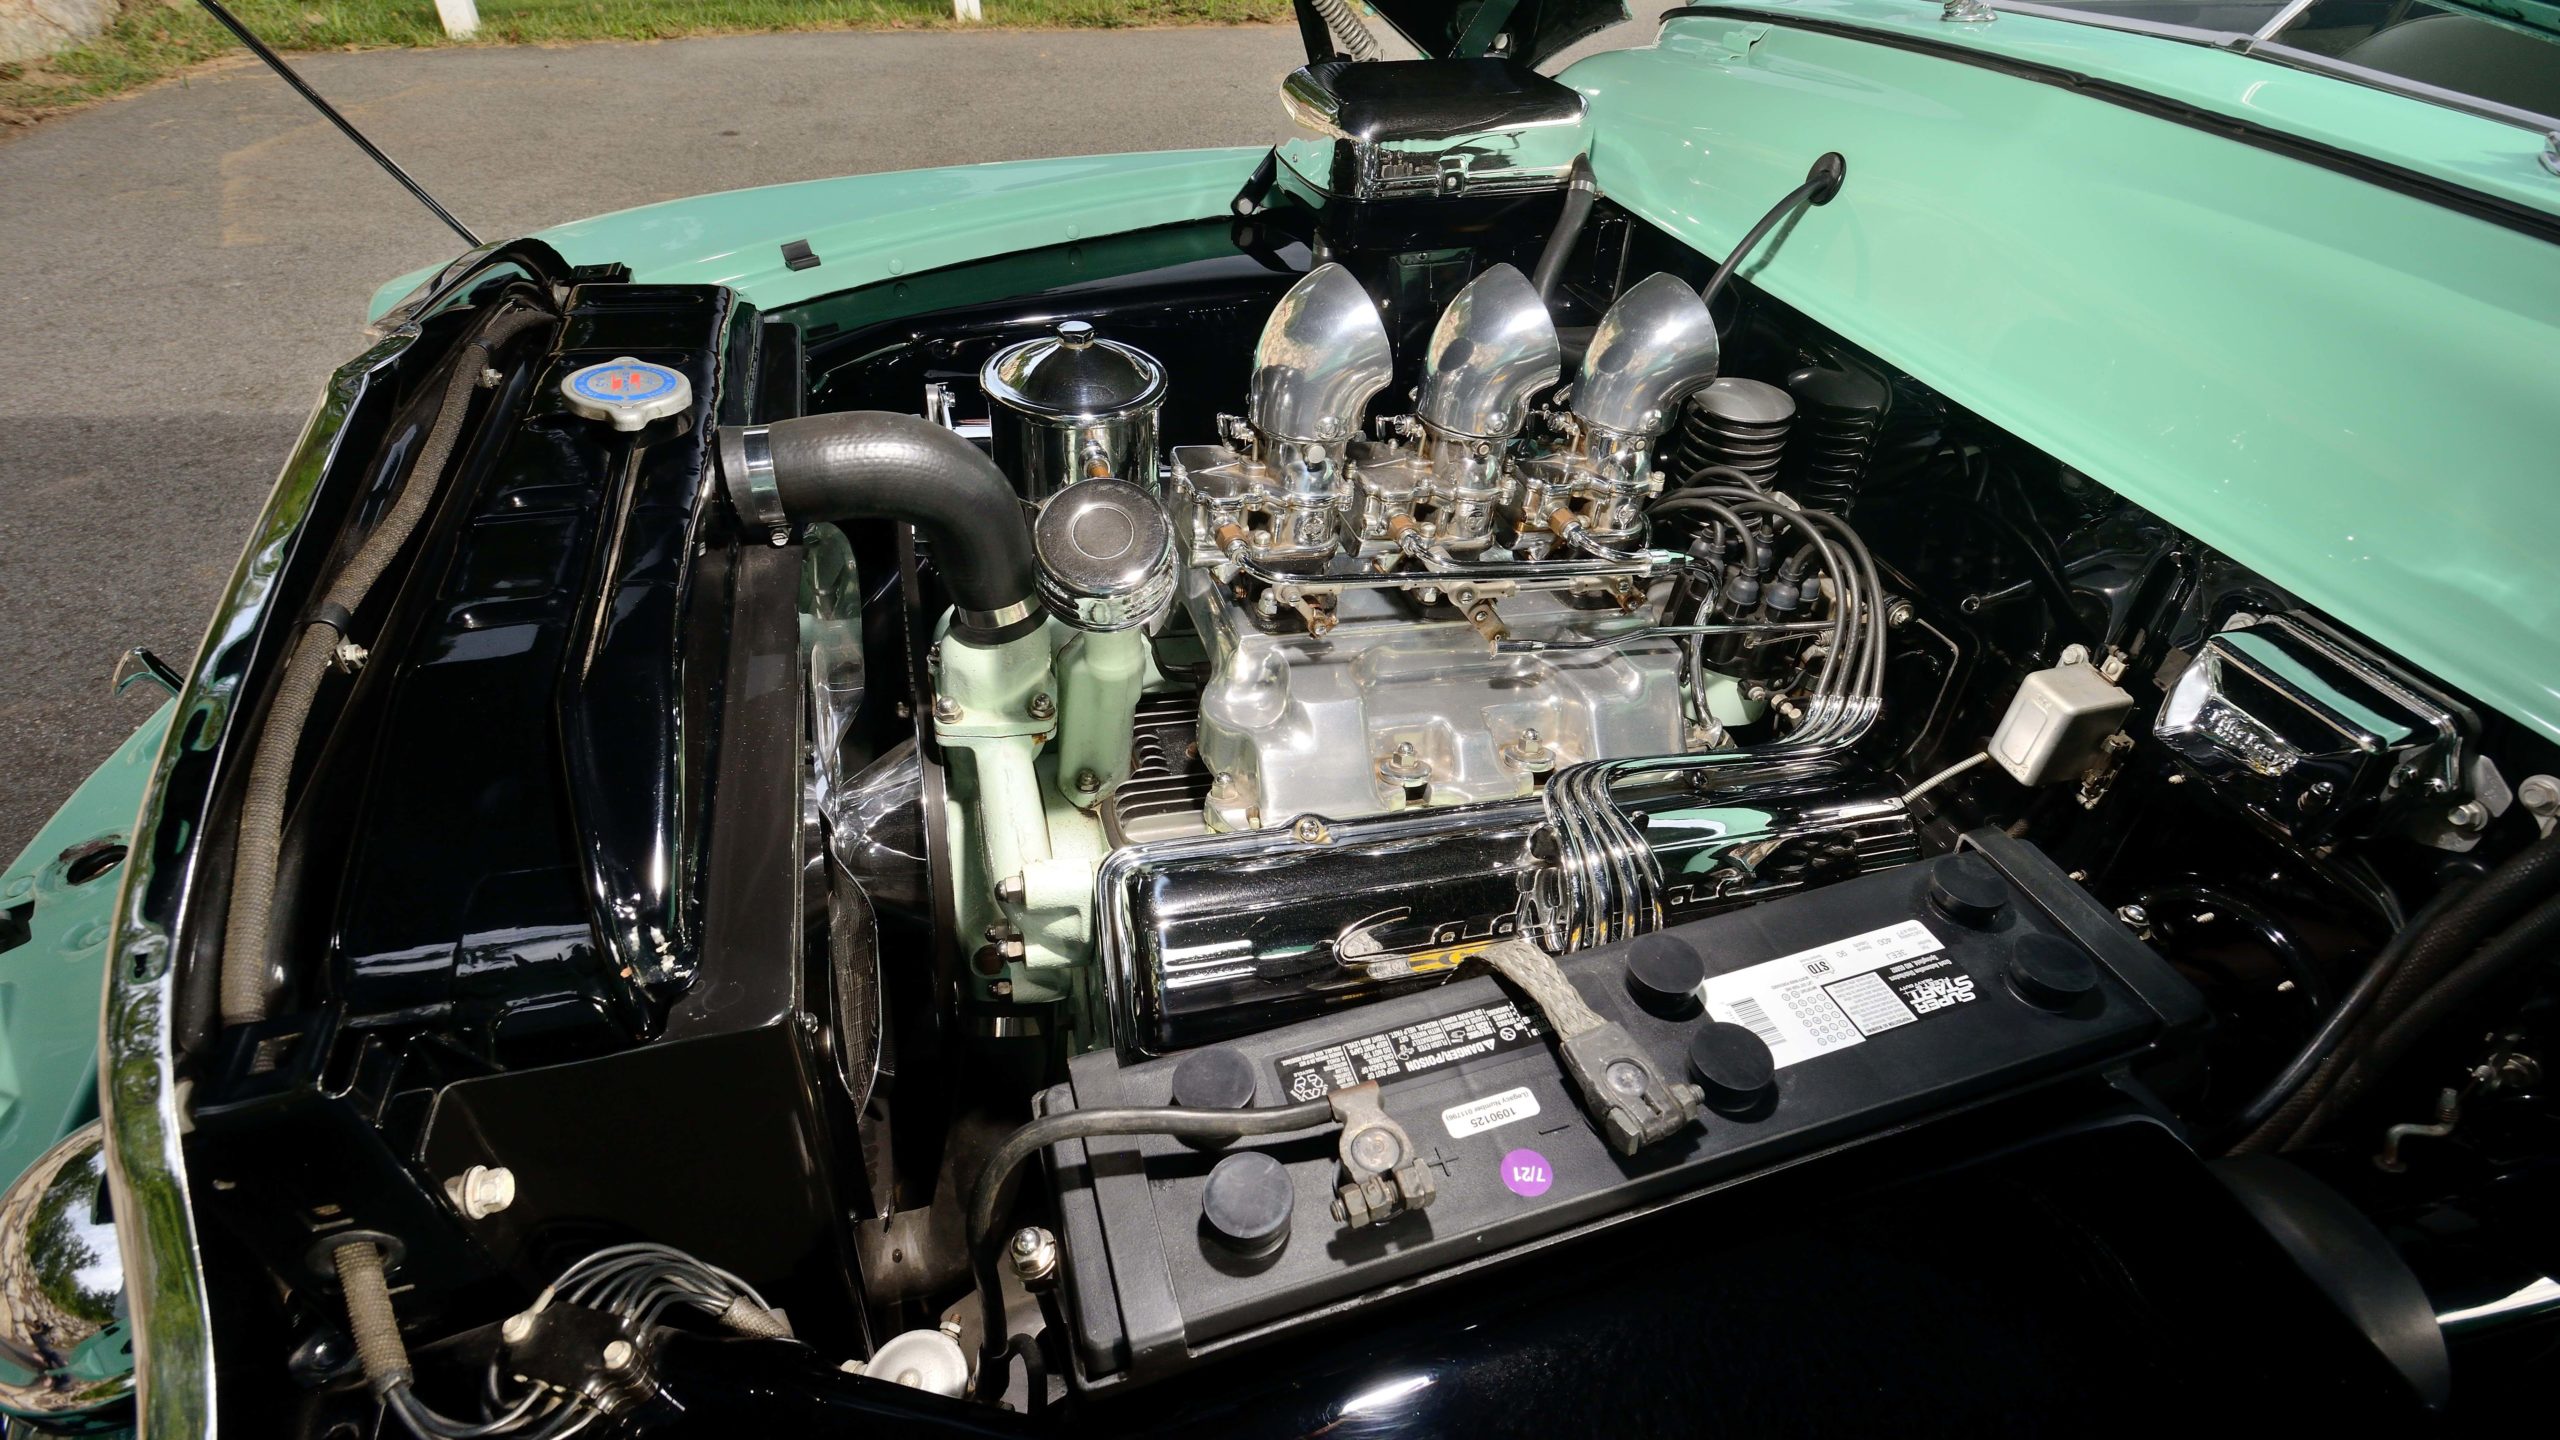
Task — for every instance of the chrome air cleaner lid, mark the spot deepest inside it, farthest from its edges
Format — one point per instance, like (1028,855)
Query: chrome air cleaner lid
(1104,552)
(1073,374)
(627,393)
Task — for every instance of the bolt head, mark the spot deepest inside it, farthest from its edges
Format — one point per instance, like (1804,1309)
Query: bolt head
(1376,1149)
(618,1355)
(1042,707)
(946,709)
(1088,782)
(482,1191)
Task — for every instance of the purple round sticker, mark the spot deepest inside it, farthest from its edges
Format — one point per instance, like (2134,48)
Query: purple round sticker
(1527,1173)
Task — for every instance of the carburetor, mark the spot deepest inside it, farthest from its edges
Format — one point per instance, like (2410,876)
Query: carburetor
(1588,488)
(1453,489)
(1435,491)
(1275,493)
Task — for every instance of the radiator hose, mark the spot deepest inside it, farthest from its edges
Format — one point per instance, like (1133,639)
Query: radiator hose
(874,465)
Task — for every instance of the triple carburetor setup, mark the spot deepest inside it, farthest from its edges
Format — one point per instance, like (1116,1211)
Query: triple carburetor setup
(1362,664)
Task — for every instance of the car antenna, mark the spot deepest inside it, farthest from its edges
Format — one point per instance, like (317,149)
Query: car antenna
(286,73)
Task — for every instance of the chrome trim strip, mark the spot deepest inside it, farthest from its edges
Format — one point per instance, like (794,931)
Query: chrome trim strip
(2293,59)
(2259,46)
(2542,1297)
(138,1087)
(2276,23)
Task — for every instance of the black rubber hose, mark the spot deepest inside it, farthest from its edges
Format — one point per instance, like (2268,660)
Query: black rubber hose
(1035,1370)
(2046,577)
(874,465)
(985,1247)
(2487,906)
(1579,192)
(2526,878)
(1820,184)
(2267,1119)
(2529,939)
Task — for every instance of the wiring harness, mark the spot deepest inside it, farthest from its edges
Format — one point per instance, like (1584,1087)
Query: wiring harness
(642,1286)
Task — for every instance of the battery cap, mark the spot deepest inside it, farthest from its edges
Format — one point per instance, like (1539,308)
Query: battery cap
(1246,1204)
(1733,1066)
(2051,973)
(1218,1078)
(1663,975)
(1964,888)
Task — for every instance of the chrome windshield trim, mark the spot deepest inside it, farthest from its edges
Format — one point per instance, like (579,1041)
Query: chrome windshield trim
(2101,20)
(138,1086)
(2258,46)
(2275,26)
(2472,105)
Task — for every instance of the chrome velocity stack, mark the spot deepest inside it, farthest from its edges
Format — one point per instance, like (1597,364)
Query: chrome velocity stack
(1277,490)
(1435,491)
(1654,348)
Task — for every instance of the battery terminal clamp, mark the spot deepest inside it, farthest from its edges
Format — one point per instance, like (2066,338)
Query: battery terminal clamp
(1621,1086)
(1385,1177)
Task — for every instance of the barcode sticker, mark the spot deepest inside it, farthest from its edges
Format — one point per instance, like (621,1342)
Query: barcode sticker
(1474,1117)
(1795,1003)
(1747,1011)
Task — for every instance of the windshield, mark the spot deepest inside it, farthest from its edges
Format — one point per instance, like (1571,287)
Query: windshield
(2501,56)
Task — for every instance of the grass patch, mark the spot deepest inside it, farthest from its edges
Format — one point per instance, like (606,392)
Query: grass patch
(154,38)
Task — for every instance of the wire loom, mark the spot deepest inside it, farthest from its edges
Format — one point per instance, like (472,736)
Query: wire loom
(642,1285)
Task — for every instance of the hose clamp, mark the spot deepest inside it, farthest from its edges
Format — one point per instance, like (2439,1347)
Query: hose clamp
(999,624)
(335,617)
(319,1256)
(763,493)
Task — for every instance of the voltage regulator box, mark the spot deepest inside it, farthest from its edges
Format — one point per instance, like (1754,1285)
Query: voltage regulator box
(1806,1023)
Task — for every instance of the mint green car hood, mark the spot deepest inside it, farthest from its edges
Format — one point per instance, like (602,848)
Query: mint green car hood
(869,228)
(2344,386)
(2339,383)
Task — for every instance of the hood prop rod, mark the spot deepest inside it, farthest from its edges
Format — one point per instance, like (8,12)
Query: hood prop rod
(286,73)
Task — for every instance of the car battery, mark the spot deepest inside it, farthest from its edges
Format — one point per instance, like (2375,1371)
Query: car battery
(1804,1024)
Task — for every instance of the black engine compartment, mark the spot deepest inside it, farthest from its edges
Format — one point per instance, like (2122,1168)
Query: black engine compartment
(580,922)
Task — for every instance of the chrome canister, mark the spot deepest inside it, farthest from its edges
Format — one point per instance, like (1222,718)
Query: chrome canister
(1071,406)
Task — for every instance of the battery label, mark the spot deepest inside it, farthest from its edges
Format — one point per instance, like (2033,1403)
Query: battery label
(1416,1049)
(1835,996)
(1474,1117)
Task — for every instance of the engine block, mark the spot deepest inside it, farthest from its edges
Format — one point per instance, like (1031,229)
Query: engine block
(1402,703)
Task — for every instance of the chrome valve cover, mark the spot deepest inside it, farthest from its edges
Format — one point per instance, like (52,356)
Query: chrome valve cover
(1224,935)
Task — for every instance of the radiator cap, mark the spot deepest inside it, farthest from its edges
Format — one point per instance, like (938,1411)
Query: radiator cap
(627,393)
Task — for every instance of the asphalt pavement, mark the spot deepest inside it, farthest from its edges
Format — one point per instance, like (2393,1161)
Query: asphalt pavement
(182,268)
